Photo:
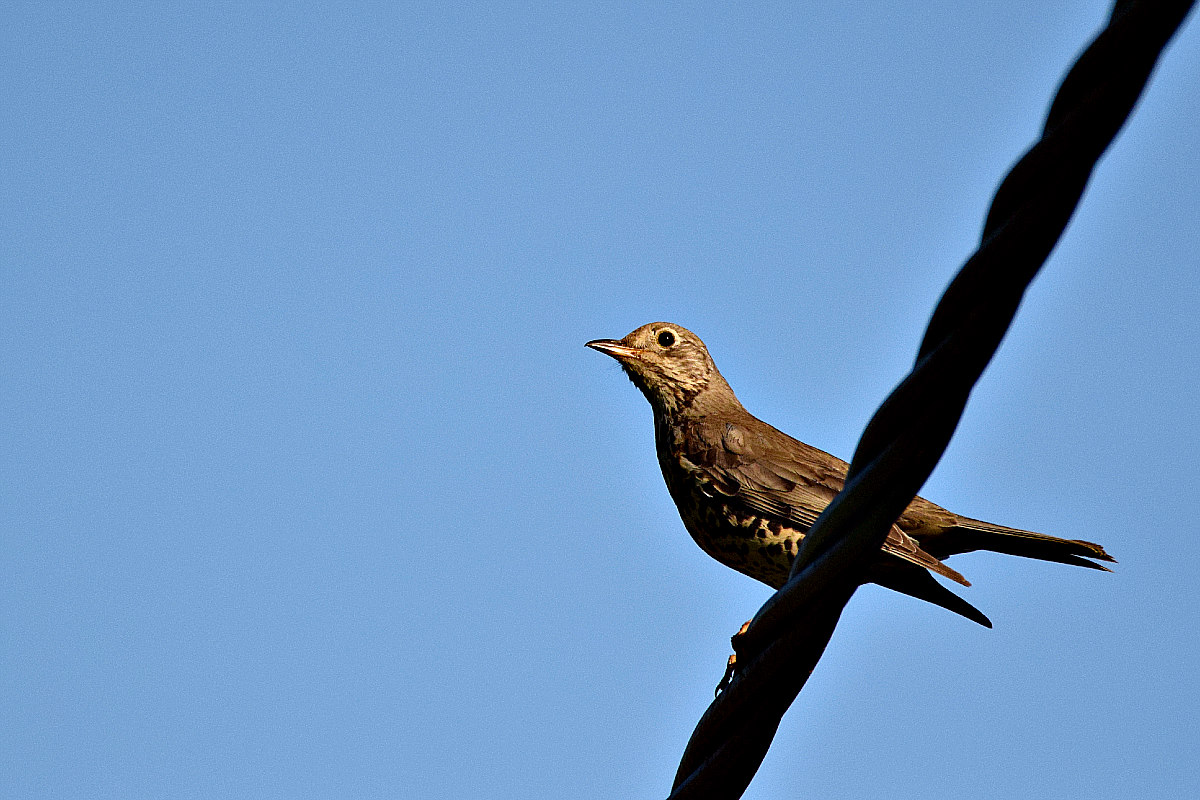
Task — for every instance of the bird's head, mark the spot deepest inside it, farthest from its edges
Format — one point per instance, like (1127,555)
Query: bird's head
(669,364)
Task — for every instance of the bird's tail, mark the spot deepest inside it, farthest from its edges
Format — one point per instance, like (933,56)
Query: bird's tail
(972,534)
(967,535)
(921,584)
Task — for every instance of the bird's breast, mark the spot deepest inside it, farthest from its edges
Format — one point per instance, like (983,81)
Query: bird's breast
(733,534)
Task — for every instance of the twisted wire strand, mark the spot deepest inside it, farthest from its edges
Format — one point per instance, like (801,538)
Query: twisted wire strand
(908,434)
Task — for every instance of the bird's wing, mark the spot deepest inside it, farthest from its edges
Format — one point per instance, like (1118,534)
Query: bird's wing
(774,474)
(782,478)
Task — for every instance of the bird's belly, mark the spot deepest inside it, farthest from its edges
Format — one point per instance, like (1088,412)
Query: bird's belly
(749,543)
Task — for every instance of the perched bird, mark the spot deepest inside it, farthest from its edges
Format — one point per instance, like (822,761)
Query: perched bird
(748,493)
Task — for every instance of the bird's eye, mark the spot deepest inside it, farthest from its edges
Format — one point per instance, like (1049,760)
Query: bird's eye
(666,339)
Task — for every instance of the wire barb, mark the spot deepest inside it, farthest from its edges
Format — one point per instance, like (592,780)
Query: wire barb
(908,434)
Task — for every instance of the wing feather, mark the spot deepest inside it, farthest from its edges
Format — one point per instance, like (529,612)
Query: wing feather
(792,487)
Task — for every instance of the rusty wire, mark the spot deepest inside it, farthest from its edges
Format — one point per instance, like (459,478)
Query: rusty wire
(908,434)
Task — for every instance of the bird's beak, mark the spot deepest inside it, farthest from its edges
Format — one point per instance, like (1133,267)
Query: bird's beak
(614,348)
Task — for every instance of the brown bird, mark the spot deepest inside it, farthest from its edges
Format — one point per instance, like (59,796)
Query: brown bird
(748,493)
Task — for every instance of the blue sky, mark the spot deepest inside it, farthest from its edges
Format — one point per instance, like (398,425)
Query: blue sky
(310,488)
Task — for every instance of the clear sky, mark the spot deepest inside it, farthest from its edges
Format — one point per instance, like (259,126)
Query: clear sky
(309,488)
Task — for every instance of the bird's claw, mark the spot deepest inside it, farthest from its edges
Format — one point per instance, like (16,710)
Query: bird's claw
(731,664)
(730,671)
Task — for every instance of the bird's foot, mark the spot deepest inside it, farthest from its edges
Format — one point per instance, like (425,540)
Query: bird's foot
(731,664)
(730,671)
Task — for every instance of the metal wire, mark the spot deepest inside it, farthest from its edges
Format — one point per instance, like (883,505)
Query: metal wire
(908,434)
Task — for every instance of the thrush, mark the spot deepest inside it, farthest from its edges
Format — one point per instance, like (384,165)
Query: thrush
(748,493)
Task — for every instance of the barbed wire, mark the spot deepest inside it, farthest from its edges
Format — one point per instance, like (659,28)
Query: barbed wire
(908,434)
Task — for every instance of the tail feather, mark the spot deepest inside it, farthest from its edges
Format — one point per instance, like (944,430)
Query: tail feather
(923,559)
(970,534)
(964,536)
(1076,561)
(922,585)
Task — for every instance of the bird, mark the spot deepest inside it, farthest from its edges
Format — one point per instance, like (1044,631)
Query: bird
(748,492)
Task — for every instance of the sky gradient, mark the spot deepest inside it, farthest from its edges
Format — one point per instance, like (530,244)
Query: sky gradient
(310,488)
